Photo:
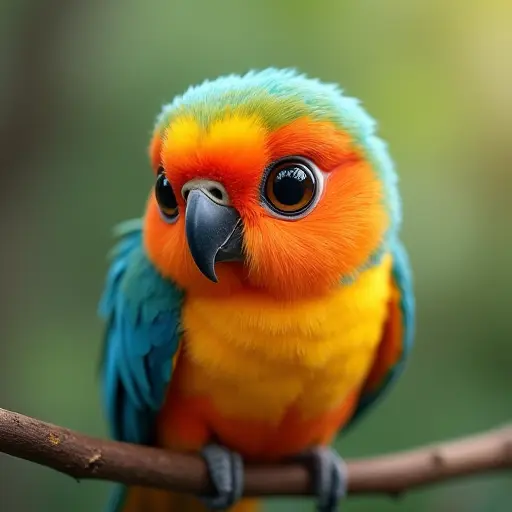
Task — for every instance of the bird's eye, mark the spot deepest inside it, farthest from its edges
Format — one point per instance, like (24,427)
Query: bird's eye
(290,186)
(165,197)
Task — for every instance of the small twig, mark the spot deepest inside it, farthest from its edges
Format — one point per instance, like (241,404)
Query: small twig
(84,457)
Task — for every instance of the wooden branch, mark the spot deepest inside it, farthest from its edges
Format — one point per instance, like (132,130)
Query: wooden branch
(84,457)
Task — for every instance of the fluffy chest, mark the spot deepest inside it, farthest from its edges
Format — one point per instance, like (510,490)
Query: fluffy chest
(256,359)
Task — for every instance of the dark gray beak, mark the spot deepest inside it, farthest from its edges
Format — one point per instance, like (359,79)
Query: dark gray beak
(214,232)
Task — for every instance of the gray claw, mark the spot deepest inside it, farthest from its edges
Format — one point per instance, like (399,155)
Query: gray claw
(226,471)
(330,477)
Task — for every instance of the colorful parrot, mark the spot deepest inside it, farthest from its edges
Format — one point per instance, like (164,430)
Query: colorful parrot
(264,301)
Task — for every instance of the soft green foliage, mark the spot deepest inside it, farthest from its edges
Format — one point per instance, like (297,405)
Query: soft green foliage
(438,80)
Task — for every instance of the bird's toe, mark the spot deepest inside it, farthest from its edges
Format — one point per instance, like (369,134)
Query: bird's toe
(226,471)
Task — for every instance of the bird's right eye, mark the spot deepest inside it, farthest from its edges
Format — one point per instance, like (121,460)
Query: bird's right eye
(165,197)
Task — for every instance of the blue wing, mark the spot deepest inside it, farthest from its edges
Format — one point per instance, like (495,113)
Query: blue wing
(142,314)
(398,337)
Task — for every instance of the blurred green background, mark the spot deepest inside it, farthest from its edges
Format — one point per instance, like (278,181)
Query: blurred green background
(80,86)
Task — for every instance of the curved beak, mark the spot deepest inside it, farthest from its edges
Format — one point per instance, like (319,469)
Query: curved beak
(214,232)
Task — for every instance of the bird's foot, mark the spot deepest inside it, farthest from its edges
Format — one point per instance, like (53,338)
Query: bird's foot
(226,470)
(330,476)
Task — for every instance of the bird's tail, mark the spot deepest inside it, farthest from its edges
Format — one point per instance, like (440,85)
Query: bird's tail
(143,499)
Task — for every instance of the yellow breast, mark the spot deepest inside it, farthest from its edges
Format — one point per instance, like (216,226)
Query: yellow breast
(255,357)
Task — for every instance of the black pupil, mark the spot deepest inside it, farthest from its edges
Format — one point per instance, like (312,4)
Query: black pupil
(164,194)
(290,185)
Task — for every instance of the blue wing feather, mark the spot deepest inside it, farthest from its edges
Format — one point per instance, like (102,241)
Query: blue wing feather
(402,276)
(142,313)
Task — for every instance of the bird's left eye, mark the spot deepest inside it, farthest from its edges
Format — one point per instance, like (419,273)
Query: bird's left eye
(165,197)
(290,186)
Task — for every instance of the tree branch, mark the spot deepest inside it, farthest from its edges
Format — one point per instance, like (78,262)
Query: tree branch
(84,457)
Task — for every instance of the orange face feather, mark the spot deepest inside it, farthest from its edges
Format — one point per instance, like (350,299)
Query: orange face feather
(283,258)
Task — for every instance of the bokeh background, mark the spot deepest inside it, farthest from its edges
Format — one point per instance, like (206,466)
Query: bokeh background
(80,85)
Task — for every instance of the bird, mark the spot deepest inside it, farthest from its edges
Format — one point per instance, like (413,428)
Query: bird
(264,300)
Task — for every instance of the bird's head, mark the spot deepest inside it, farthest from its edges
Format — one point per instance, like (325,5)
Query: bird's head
(268,181)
